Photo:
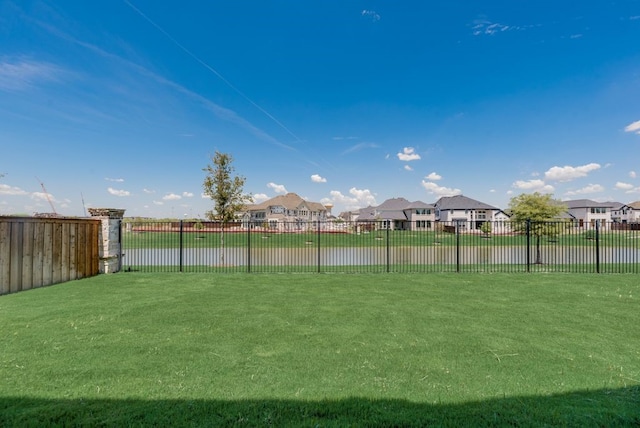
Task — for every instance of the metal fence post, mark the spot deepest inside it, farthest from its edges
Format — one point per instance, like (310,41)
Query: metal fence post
(528,245)
(457,245)
(597,246)
(181,244)
(249,246)
(388,247)
(319,261)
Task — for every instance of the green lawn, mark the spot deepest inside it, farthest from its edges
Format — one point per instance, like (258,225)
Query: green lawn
(323,350)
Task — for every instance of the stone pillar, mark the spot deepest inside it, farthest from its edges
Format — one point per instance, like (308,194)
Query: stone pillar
(110,245)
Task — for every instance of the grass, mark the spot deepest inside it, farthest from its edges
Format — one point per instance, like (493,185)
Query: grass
(323,350)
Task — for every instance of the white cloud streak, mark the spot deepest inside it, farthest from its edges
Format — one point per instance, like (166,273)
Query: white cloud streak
(278,188)
(623,186)
(591,188)
(433,188)
(22,74)
(408,154)
(434,177)
(568,173)
(371,14)
(116,192)
(318,179)
(171,197)
(5,189)
(533,185)
(359,198)
(633,127)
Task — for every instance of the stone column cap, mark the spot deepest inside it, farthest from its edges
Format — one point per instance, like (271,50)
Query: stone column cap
(113,213)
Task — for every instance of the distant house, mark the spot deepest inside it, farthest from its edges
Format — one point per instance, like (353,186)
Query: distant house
(285,212)
(587,212)
(626,213)
(398,214)
(470,214)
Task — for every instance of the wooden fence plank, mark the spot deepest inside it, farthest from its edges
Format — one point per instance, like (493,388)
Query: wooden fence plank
(47,253)
(38,253)
(27,257)
(56,254)
(77,248)
(95,250)
(5,256)
(15,270)
(64,254)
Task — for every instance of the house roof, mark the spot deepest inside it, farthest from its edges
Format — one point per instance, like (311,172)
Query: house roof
(587,203)
(635,205)
(460,202)
(393,204)
(290,201)
(391,209)
(418,204)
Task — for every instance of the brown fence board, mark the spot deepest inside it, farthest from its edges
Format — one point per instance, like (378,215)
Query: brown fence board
(64,254)
(35,252)
(38,253)
(5,260)
(27,254)
(15,269)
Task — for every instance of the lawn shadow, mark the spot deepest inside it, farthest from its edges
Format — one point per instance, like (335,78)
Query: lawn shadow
(605,407)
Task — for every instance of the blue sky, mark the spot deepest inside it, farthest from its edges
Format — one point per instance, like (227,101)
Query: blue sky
(121,103)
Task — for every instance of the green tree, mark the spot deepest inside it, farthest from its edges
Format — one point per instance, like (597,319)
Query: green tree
(486,228)
(226,190)
(539,214)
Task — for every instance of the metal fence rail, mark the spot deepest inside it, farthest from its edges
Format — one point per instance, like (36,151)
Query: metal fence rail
(322,247)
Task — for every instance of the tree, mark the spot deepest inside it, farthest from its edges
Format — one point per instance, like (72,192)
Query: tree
(486,228)
(226,191)
(536,214)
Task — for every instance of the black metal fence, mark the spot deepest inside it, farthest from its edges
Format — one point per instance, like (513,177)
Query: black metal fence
(356,247)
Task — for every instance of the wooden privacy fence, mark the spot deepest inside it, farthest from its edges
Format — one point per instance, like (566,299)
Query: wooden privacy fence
(36,252)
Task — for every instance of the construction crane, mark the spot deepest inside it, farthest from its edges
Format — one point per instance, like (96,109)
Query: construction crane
(46,194)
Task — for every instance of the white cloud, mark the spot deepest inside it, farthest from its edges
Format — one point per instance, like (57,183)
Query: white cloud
(23,74)
(408,154)
(360,146)
(359,198)
(5,189)
(187,194)
(171,197)
(533,185)
(41,196)
(117,192)
(318,179)
(632,174)
(440,190)
(633,127)
(260,197)
(372,14)
(483,27)
(148,191)
(117,180)
(623,186)
(158,203)
(591,188)
(408,168)
(278,188)
(568,173)
(434,177)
